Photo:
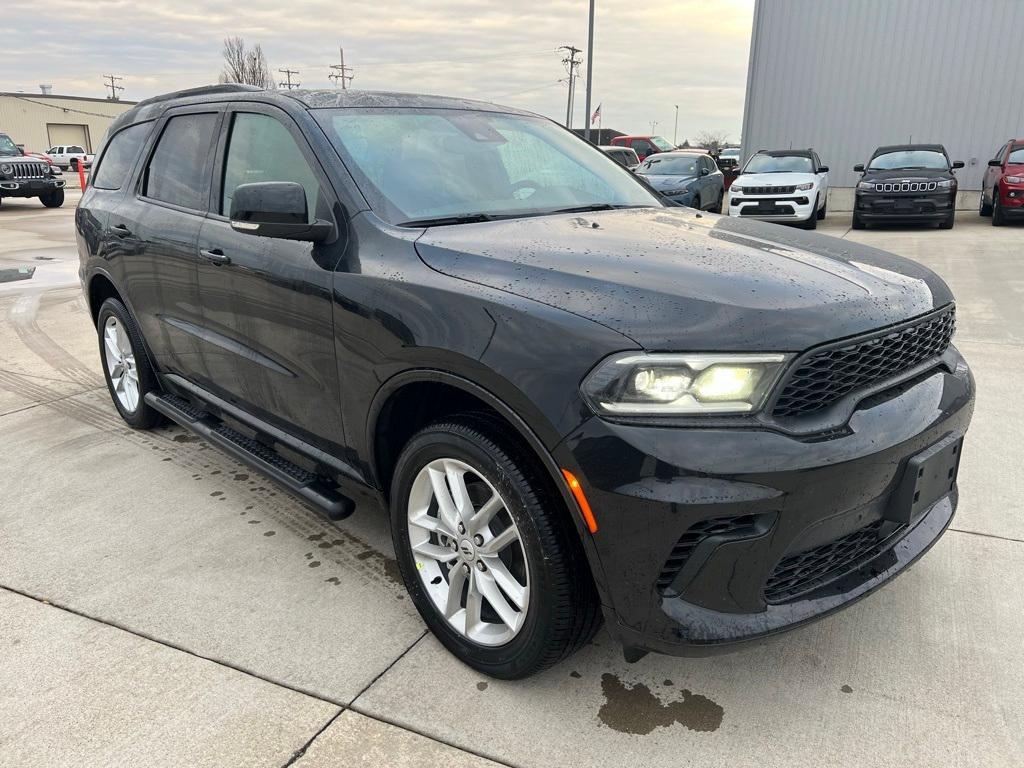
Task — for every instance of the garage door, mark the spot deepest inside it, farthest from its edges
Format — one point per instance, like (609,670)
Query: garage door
(67,133)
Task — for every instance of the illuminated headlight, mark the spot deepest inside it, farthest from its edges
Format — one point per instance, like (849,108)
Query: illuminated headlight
(946,184)
(632,384)
(805,187)
(865,185)
(1015,179)
(7,169)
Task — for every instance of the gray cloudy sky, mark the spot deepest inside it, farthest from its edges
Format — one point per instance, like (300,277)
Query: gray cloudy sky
(649,55)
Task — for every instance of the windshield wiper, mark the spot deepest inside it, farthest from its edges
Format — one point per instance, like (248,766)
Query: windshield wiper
(440,221)
(591,207)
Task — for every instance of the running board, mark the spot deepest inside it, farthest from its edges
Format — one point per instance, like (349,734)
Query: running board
(313,488)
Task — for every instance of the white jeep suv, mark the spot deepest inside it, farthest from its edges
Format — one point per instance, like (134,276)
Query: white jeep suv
(786,185)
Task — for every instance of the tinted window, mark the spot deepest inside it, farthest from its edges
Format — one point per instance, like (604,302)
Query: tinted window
(1016,155)
(667,165)
(641,147)
(909,160)
(661,143)
(780,164)
(7,147)
(75,150)
(262,149)
(119,156)
(177,171)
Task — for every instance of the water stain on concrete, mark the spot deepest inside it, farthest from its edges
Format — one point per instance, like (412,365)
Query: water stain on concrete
(481,686)
(270,533)
(315,564)
(635,710)
(574,673)
(846,689)
(241,476)
(186,438)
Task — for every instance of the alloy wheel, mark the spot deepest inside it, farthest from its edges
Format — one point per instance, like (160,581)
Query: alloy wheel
(120,360)
(468,552)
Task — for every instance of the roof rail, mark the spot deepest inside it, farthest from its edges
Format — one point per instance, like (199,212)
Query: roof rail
(203,90)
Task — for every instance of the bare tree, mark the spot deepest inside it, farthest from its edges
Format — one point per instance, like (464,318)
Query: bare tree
(712,139)
(245,65)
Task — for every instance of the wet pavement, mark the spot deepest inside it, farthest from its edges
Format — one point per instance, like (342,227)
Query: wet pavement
(161,604)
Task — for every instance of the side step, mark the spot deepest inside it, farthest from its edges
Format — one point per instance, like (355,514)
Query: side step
(315,489)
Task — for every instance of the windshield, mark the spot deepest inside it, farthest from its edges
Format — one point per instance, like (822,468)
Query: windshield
(662,165)
(779,164)
(418,165)
(910,160)
(7,147)
(1016,155)
(661,143)
(729,153)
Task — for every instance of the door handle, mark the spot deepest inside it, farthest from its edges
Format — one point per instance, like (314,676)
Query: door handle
(215,256)
(120,230)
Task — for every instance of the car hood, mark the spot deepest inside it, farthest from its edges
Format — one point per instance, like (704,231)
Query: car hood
(661,183)
(774,179)
(672,279)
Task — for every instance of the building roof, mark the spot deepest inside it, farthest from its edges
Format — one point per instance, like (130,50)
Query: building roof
(95,99)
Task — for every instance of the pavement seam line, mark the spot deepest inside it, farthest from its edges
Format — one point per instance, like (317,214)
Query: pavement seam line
(987,535)
(173,646)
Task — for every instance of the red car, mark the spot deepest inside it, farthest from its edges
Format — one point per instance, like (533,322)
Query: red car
(644,146)
(1002,188)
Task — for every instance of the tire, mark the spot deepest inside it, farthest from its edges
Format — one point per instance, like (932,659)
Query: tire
(983,209)
(73,165)
(947,223)
(812,220)
(822,211)
(696,203)
(560,612)
(54,199)
(858,223)
(114,318)
(721,201)
(998,218)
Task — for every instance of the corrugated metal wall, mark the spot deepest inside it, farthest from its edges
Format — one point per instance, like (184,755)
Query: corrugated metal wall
(24,117)
(846,76)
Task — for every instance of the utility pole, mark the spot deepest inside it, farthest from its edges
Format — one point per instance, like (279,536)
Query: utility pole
(288,74)
(113,86)
(341,72)
(572,67)
(675,128)
(590,67)
(653,123)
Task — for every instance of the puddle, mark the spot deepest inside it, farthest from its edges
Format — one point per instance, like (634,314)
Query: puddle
(636,710)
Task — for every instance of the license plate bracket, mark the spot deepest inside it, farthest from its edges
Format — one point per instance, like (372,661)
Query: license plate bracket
(928,476)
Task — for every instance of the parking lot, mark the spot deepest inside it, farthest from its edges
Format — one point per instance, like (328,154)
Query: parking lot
(160,604)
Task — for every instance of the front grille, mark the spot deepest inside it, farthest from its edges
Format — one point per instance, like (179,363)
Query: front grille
(804,571)
(768,190)
(729,527)
(821,378)
(28,170)
(775,210)
(906,186)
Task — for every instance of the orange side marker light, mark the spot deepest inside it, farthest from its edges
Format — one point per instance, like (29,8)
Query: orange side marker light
(581,500)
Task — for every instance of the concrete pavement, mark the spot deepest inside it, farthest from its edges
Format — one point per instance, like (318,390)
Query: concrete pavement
(161,604)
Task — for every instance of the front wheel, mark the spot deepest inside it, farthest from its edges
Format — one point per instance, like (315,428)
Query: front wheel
(812,220)
(721,200)
(486,549)
(998,218)
(985,209)
(858,222)
(54,199)
(947,223)
(126,367)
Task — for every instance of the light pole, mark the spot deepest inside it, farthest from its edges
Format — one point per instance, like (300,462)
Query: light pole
(590,69)
(675,128)
(653,123)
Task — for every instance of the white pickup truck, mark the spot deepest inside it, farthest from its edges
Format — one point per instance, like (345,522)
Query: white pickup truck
(69,156)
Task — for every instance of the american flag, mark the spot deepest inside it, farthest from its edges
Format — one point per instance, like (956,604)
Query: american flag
(597,114)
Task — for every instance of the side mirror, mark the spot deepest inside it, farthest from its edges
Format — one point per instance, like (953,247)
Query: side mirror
(824,169)
(996,163)
(958,164)
(858,168)
(704,172)
(276,209)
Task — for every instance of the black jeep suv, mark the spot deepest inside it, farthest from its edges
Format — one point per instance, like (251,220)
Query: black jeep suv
(576,402)
(22,176)
(906,184)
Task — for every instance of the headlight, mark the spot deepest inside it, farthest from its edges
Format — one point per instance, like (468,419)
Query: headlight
(6,168)
(734,190)
(865,185)
(56,171)
(946,184)
(675,192)
(1014,179)
(805,187)
(632,384)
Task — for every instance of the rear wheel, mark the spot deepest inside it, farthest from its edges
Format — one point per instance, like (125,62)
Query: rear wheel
(126,367)
(73,165)
(54,199)
(486,550)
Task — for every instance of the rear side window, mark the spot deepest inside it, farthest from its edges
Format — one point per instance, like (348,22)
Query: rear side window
(177,171)
(119,156)
(262,149)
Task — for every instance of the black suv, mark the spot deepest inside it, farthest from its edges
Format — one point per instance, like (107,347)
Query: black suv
(906,184)
(22,176)
(576,402)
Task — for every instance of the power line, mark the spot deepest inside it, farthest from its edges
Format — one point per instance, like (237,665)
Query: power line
(572,66)
(288,74)
(341,72)
(113,86)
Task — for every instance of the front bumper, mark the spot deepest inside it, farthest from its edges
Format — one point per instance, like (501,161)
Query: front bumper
(1011,201)
(757,499)
(878,207)
(29,187)
(798,206)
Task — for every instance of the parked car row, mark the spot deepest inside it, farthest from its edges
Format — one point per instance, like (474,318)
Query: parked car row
(1002,188)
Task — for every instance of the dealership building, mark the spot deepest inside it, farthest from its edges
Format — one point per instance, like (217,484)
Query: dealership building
(847,77)
(39,121)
